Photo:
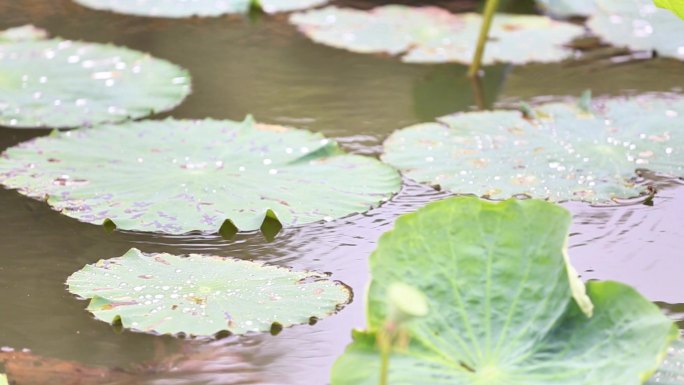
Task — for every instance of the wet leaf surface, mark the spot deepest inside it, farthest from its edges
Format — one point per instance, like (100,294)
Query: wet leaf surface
(60,84)
(434,35)
(565,152)
(201,8)
(640,26)
(671,372)
(203,295)
(176,176)
(501,309)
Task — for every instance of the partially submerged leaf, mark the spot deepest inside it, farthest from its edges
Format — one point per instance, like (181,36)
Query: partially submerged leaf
(568,8)
(23,33)
(176,176)
(59,84)
(25,368)
(202,295)
(201,8)
(501,305)
(564,153)
(433,35)
(640,26)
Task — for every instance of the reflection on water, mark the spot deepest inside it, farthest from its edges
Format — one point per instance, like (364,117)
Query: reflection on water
(265,68)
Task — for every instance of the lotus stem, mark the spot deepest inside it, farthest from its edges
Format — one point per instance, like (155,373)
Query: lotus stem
(384,340)
(490,9)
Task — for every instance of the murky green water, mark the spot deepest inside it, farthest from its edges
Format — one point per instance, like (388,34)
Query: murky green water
(264,67)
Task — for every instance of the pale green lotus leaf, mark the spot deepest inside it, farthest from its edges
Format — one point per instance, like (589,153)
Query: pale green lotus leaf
(501,309)
(568,8)
(176,176)
(202,295)
(563,153)
(671,372)
(58,83)
(23,33)
(434,35)
(201,8)
(639,26)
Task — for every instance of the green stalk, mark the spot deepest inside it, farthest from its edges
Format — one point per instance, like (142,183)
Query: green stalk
(490,10)
(384,340)
(384,367)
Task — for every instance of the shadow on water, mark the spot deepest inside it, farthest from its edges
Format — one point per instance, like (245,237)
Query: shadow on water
(241,67)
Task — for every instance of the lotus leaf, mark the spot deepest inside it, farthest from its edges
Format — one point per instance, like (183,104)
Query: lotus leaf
(58,83)
(671,372)
(23,33)
(676,6)
(564,152)
(568,8)
(639,25)
(501,305)
(202,295)
(202,8)
(434,35)
(176,176)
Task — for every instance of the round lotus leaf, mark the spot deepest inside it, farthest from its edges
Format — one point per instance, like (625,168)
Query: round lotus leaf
(564,152)
(568,8)
(176,176)
(433,35)
(58,84)
(201,8)
(501,308)
(639,25)
(202,295)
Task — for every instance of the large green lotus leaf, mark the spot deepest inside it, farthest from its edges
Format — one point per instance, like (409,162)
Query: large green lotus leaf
(671,372)
(568,8)
(639,25)
(202,295)
(175,176)
(501,309)
(433,35)
(202,8)
(565,153)
(57,83)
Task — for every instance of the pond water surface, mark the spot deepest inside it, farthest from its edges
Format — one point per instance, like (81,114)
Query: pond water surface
(262,66)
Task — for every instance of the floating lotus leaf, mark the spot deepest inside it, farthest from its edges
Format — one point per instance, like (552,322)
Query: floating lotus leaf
(175,176)
(501,308)
(568,8)
(202,295)
(57,83)
(563,153)
(433,35)
(23,33)
(676,6)
(671,372)
(639,25)
(202,8)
